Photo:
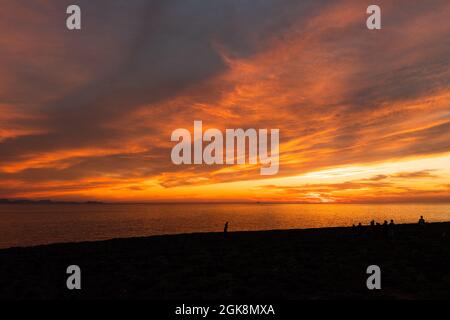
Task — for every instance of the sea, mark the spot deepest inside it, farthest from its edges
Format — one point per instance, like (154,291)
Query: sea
(23,225)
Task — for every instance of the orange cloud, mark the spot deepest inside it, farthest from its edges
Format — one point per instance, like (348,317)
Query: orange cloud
(91,118)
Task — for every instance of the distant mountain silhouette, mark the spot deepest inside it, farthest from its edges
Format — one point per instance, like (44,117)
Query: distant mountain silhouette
(45,201)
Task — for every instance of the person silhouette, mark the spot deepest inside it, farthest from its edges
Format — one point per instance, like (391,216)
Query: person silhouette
(421,221)
(385,228)
(372,226)
(391,229)
(225,228)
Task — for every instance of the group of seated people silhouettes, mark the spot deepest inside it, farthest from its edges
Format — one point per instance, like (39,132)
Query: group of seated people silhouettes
(387,228)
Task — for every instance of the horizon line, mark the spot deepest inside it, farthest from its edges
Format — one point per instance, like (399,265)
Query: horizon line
(52,201)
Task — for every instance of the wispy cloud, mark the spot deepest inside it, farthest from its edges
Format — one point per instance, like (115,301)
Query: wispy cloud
(89,114)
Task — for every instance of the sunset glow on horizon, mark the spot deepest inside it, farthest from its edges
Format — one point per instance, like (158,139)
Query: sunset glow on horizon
(364,116)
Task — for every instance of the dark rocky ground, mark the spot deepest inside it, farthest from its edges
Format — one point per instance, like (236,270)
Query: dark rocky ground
(291,264)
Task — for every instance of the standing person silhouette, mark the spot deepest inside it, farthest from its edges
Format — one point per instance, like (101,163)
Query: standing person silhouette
(391,229)
(421,225)
(421,221)
(385,228)
(225,228)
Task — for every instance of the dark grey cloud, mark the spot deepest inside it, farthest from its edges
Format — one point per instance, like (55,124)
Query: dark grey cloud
(138,53)
(141,52)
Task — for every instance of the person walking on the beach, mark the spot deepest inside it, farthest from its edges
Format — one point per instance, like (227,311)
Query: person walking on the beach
(225,228)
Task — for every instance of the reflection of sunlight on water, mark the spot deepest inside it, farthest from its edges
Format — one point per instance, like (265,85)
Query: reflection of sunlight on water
(23,225)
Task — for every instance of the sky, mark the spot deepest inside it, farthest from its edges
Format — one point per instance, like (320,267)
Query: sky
(364,115)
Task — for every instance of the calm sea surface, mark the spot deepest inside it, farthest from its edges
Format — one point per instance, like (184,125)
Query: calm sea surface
(33,224)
